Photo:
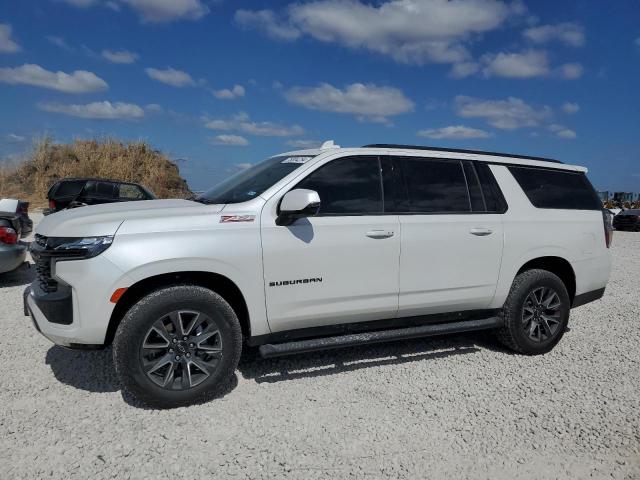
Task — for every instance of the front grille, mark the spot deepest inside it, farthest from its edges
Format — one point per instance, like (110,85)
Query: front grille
(43,273)
(43,265)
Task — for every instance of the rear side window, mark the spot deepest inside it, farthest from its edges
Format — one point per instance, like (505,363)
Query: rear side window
(65,189)
(127,191)
(434,186)
(95,189)
(556,189)
(493,197)
(347,186)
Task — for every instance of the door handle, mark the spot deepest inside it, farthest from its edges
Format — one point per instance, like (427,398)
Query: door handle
(379,234)
(481,231)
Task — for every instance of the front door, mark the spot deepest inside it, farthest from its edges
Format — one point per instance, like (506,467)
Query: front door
(340,266)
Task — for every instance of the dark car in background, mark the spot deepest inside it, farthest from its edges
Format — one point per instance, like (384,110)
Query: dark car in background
(79,192)
(627,220)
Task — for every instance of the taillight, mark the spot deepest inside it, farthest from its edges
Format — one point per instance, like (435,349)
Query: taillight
(8,235)
(52,204)
(607,219)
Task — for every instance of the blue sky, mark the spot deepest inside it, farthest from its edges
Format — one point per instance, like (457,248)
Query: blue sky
(223,84)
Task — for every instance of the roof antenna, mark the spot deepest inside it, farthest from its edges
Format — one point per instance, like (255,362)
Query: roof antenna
(328,144)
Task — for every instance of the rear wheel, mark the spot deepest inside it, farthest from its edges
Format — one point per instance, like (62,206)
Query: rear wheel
(177,346)
(536,313)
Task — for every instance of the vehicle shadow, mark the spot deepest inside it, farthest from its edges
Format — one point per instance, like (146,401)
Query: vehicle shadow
(331,362)
(23,275)
(93,371)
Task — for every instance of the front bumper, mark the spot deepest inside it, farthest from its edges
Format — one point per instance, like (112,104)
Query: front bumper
(12,256)
(78,311)
(54,324)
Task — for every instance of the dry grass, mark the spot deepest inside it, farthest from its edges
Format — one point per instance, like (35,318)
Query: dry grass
(132,162)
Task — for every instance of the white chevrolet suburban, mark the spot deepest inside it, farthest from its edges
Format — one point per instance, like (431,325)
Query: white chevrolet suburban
(319,249)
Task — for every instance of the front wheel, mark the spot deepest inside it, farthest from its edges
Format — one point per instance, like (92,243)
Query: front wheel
(177,346)
(536,313)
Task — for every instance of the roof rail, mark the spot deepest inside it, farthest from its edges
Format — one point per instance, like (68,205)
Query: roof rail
(459,150)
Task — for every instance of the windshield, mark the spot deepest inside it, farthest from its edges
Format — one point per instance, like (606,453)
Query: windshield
(248,184)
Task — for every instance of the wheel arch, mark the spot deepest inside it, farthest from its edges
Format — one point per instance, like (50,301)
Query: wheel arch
(556,265)
(220,284)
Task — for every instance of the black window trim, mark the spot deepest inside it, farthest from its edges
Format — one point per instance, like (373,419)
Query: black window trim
(396,177)
(497,191)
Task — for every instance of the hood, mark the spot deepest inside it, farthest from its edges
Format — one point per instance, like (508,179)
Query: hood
(97,220)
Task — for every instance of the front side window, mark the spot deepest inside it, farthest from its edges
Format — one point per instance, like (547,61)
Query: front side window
(434,186)
(248,184)
(347,186)
(556,189)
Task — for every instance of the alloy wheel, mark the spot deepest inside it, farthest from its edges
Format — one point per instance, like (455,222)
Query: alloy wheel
(541,314)
(181,350)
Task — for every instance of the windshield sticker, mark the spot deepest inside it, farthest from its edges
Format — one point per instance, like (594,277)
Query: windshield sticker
(296,160)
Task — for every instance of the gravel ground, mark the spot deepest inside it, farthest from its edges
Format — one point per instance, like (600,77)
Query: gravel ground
(457,406)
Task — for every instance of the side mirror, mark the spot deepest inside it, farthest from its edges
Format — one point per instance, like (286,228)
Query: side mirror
(298,203)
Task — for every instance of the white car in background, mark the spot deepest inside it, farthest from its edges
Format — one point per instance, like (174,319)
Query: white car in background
(319,249)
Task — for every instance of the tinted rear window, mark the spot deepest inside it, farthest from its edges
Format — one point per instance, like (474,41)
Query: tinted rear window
(435,185)
(556,189)
(69,188)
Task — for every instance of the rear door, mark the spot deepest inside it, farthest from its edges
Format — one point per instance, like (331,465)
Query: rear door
(452,235)
(340,266)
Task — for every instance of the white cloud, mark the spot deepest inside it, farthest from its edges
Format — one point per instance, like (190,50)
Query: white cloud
(532,63)
(230,93)
(97,110)
(242,123)
(119,56)
(303,144)
(562,132)
(454,131)
(243,166)
(80,81)
(568,107)
(571,34)
(170,76)
(14,138)
(366,101)
(154,108)
(268,22)
(570,71)
(59,42)
(508,114)
(7,44)
(464,69)
(231,140)
(157,11)
(409,31)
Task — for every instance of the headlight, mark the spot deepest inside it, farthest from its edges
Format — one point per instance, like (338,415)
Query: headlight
(87,247)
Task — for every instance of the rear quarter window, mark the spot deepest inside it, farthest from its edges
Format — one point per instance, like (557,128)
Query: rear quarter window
(556,189)
(65,189)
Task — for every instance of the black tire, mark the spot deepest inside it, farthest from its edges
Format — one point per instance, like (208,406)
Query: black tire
(516,332)
(135,329)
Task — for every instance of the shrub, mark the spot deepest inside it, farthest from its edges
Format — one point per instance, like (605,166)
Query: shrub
(109,159)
